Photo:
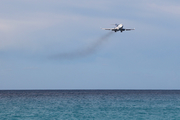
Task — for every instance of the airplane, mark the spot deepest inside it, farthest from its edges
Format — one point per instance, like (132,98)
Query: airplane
(119,27)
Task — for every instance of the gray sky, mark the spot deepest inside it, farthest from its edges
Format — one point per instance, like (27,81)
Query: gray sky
(59,44)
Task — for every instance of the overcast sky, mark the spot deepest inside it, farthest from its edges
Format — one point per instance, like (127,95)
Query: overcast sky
(59,44)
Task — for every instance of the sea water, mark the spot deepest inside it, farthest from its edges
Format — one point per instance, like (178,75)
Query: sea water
(89,105)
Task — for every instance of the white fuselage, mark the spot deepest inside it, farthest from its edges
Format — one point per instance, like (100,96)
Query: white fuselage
(119,28)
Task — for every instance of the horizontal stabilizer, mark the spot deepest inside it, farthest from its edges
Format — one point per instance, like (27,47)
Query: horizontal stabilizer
(115,24)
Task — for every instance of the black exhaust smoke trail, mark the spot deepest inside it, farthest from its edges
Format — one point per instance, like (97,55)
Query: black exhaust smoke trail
(84,52)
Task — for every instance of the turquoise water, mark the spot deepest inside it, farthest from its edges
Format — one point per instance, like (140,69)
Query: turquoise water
(90,105)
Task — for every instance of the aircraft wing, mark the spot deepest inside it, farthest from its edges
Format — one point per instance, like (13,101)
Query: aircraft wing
(129,29)
(108,28)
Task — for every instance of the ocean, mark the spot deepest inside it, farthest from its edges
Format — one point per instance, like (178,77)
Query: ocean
(89,104)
